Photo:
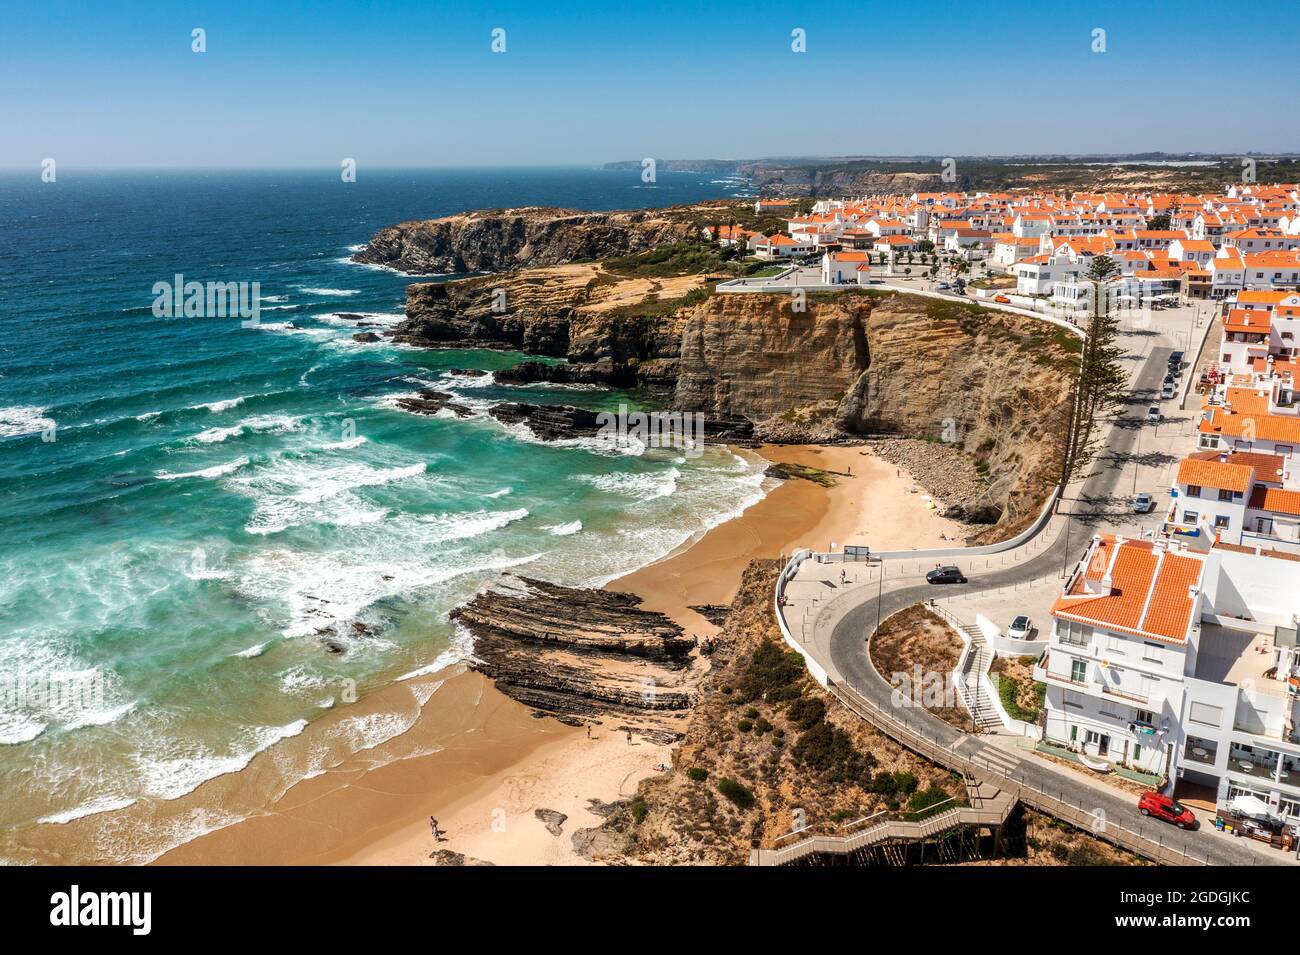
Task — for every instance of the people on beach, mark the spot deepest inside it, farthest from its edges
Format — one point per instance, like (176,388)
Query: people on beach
(437,832)
(629,737)
(843,577)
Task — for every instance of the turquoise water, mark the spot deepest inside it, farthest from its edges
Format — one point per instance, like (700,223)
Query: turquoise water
(216,501)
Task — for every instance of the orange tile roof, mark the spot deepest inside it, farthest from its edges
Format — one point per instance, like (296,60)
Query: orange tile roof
(1217,474)
(1148,594)
(1261,427)
(1275,499)
(1268,467)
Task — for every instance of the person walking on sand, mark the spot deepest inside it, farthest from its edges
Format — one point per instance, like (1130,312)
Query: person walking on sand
(588,731)
(843,577)
(629,737)
(437,833)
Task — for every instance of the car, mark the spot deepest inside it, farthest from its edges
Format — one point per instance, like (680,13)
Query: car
(1176,360)
(1153,413)
(1143,503)
(943,285)
(1167,391)
(1170,380)
(1020,628)
(945,575)
(1166,809)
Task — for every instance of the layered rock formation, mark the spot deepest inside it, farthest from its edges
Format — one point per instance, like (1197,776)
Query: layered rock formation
(503,239)
(579,654)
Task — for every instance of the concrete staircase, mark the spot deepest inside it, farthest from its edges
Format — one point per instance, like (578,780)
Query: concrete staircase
(976,664)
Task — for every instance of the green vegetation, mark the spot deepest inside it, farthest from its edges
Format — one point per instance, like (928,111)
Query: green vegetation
(679,258)
(927,802)
(639,808)
(697,774)
(737,793)
(772,675)
(1007,693)
(788,471)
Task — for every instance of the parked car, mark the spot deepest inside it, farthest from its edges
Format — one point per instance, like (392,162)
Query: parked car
(945,575)
(943,286)
(1167,391)
(1166,809)
(1176,361)
(1143,504)
(1153,413)
(1020,628)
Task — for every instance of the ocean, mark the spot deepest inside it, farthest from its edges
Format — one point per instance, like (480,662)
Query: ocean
(190,509)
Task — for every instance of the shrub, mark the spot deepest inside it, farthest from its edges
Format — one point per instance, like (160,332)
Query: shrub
(751,713)
(927,798)
(697,773)
(639,809)
(830,751)
(738,794)
(744,726)
(762,726)
(806,712)
(771,668)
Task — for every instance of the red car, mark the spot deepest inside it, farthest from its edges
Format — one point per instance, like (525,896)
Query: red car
(1163,807)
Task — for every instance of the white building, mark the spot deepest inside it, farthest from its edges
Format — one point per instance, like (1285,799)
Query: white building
(1182,665)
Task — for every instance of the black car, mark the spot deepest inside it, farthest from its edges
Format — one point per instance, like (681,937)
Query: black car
(945,575)
(1175,360)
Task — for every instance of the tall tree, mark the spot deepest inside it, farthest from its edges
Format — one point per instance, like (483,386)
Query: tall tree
(1102,384)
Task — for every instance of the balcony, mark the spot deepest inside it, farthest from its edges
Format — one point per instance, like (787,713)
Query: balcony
(1126,695)
(1201,750)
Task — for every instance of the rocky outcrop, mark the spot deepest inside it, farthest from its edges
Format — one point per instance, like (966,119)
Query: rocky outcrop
(578,654)
(505,239)
(549,422)
(605,373)
(553,820)
(430,401)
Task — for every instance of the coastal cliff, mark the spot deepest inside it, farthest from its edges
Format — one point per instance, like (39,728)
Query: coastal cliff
(984,389)
(503,239)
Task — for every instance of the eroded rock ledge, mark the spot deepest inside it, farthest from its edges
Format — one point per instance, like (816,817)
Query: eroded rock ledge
(579,654)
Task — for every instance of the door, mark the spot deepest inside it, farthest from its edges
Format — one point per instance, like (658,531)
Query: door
(1103,745)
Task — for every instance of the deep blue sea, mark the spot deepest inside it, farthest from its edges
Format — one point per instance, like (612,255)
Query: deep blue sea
(189,507)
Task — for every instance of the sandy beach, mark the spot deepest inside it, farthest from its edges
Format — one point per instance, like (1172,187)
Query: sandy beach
(483,765)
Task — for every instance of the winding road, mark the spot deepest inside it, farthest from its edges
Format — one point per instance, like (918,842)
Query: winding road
(1111,814)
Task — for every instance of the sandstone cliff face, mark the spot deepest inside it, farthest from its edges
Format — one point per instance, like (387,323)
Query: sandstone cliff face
(504,239)
(986,388)
(753,355)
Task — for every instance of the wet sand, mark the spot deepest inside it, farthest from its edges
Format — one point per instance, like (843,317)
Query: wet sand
(482,764)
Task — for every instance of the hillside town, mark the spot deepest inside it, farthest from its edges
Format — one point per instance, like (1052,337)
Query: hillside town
(1168,653)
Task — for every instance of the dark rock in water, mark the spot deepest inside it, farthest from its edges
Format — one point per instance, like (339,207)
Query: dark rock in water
(549,422)
(554,820)
(575,652)
(363,629)
(334,647)
(716,614)
(448,857)
(467,372)
(350,316)
(365,337)
(604,373)
(431,401)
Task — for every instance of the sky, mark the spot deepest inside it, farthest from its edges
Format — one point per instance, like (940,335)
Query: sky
(292,84)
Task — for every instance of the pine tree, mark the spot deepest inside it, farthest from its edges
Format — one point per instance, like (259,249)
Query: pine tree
(1102,384)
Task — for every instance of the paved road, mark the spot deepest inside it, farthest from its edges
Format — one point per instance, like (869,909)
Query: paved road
(849,651)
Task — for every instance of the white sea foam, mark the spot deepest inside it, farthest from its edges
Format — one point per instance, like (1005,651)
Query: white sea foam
(256,650)
(450,380)
(257,425)
(501,493)
(216,471)
(192,763)
(646,486)
(337,480)
(100,717)
(347,445)
(23,419)
(565,530)
(452,527)
(328,291)
(94,807)
(18,728)
(219,405)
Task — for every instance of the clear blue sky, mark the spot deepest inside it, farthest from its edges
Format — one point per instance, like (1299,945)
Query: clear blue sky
(415,84)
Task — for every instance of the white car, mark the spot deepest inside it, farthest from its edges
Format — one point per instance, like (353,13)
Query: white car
(1020,628)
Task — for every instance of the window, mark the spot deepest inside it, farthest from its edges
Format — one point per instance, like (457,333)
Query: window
(1221,520)
(1079,671)
(1264,525)
(1225,495)
(1145,717)
(1193,490)
(1205,714)
(1190,517)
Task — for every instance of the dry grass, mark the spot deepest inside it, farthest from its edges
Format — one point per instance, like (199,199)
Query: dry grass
(913,638)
